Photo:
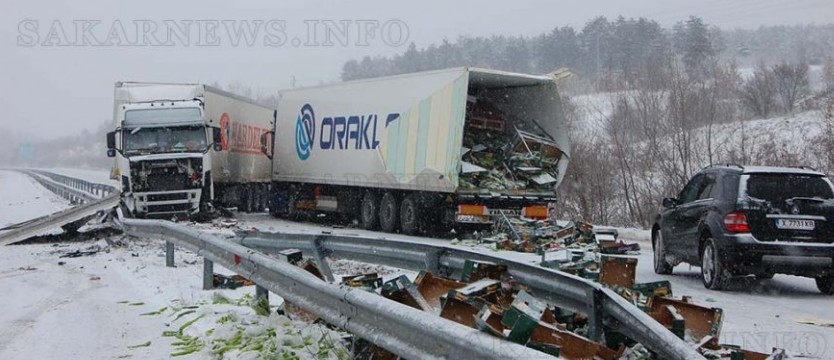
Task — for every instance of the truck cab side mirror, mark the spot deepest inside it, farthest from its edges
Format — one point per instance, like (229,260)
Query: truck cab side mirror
(111,144)
(216,138)
(670,202)
(266,143)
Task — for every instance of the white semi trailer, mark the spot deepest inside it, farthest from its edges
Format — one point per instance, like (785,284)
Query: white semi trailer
(180,148)
(400,153)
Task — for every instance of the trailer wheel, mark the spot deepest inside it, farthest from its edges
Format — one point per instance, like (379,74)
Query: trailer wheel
(256,197)
(261,196)
(410,216)
(389,213)
(369,212)
(245,199)
(292,205)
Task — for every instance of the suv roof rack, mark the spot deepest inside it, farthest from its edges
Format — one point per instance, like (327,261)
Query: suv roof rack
(725,165)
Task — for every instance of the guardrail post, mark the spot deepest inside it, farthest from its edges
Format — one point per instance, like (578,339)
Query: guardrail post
(208,274)
(319,253)
(432,261)
(595,316)
(169,254)
(261,293)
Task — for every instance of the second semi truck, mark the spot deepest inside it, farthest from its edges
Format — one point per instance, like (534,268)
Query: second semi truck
(402,153)
(180,148)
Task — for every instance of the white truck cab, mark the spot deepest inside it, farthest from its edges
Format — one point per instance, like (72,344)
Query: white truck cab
(163,144)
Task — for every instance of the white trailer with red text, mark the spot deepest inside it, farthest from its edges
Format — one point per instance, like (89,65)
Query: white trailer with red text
(454,146)
(181,147)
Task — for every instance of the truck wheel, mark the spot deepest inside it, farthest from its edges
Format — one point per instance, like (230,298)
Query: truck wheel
(292,205)
(825,284)
(661,266)
(266,197)
(258,202)
(369,213)
(246,198)
(410,216)
(389,213)
(713,272)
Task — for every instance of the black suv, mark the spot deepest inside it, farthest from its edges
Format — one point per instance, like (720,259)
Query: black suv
(732,220)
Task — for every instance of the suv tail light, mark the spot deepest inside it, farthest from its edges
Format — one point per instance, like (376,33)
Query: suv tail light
(736,222)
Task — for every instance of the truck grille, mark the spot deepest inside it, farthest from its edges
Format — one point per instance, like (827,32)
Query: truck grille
(172,208)
(167,182)
(168,197)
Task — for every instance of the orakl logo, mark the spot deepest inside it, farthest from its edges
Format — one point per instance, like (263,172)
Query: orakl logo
(305,131)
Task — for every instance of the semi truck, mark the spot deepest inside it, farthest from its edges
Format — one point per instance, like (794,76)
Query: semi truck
(461,146)
(180,149)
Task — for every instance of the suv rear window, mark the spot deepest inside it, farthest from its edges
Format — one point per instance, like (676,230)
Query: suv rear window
(780,187)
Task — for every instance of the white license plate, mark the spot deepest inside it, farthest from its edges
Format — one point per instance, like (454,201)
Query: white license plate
(793,224)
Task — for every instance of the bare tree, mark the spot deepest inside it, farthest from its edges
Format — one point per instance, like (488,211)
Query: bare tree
(790,84)
(828,74)
(758,92)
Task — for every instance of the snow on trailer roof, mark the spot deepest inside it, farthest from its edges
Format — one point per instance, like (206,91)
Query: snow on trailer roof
(136,91)
(478,76)
(498,78)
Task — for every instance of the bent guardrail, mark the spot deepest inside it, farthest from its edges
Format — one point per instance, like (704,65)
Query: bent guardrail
(601,305)
(78,191)
(403,330)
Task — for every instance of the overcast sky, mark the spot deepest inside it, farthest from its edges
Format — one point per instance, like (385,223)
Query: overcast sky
(55,82)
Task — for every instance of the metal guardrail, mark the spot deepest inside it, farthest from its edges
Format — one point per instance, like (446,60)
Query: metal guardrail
(93,198)
(602,306)
(403,330)
(76,190)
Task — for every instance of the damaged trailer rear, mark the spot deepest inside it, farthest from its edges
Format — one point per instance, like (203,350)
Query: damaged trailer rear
(454,146)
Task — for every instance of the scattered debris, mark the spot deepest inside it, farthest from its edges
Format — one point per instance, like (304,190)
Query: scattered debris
(817,322)
(95,249)
(145,344)
(230,282)
(157,312)
(486,297)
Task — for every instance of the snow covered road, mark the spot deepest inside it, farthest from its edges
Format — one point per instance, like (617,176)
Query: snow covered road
(22,198)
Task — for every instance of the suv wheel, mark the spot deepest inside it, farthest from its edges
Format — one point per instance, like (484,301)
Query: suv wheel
(825,284)
(713,273)
(660,265)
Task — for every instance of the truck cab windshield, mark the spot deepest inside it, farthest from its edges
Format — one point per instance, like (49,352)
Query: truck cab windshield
(154,140)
